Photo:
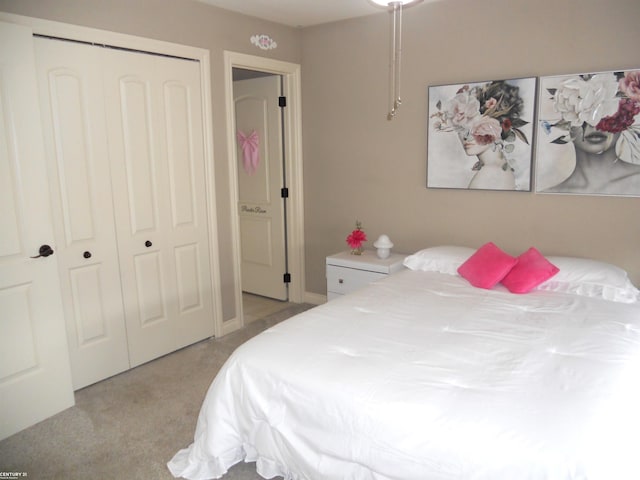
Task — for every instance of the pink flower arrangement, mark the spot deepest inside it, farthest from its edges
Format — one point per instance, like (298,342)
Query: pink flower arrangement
(628,107)
(356,238)
(622,119)
(630,85)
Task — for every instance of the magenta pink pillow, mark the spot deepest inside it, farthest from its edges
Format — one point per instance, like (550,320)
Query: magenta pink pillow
(531,270)
(487,266)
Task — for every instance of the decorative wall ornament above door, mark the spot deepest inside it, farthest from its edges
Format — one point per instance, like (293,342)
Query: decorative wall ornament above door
(264,42)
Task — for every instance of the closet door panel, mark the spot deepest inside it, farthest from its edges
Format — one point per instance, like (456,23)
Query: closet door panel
(149,287)
(74,175)
(158,175)
(188,272)
(180,155)
(88,305)
(72,104)
(182,119)
(138,176)
(140,158)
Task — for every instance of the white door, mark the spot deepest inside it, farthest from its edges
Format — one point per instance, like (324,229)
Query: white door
(260,179)
(154,121)
(35,378)
(72,104)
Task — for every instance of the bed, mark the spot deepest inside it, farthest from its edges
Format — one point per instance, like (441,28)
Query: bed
(424,376)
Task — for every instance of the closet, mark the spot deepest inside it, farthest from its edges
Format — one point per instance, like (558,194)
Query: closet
(124,142)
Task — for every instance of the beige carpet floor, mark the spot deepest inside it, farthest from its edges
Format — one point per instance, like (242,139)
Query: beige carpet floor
(129,426)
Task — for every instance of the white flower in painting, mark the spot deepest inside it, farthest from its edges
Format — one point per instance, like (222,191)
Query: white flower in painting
(485,130)
(462,109)
(579,100)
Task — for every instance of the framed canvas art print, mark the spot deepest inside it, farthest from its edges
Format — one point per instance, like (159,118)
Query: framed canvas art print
(588,139)
(480,135)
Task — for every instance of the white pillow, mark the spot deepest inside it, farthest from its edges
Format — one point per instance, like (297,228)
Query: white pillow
(591,278)
(443,259)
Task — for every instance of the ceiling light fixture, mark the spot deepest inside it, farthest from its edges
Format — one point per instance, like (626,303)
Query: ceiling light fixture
(396,51)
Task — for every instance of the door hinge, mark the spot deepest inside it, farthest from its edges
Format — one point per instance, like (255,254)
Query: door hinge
(282,101)
(284,192)
(286,278)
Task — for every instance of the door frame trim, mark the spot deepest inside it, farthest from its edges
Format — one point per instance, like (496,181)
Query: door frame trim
(290,73)
(87,34)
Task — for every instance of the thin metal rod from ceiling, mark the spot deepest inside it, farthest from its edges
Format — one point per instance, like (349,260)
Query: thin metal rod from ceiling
(396,57)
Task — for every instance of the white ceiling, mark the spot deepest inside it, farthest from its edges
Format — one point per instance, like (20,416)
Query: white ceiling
(300,13)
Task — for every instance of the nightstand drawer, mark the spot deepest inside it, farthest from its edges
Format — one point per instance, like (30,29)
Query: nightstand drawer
(343,280)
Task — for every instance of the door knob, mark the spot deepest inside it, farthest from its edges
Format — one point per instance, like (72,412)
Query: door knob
(86,254)
(45,251)
(147,244)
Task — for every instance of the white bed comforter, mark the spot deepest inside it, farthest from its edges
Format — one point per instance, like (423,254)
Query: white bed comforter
(422,376)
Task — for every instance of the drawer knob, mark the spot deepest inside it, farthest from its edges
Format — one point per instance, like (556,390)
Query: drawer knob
(340,280)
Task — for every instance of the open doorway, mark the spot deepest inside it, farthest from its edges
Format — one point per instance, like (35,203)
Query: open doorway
(262,188)
(257,240)
(261,183)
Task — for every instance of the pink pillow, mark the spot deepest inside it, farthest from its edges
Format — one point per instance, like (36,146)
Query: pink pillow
(531,270)
(487,266)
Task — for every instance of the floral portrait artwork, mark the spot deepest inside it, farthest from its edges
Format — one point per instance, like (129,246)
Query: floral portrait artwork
(480,135)
(589,134)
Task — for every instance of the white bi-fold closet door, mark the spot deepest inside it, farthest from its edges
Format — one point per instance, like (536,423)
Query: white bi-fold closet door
(125,151)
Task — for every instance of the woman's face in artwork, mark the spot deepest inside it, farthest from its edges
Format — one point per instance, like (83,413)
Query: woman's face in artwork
(590,140)
(470,145)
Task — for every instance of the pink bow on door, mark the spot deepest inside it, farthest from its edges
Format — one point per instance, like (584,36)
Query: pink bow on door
(250,151)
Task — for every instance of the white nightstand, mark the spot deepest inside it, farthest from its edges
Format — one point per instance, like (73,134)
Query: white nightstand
(346,272)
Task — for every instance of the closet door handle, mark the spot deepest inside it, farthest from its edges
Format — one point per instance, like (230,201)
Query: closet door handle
(147,244)
(86,254)
(45,251)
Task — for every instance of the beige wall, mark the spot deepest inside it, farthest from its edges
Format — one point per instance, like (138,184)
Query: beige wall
(190,23)
(360,166)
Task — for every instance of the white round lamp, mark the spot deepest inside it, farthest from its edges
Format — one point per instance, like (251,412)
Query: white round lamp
(383,246)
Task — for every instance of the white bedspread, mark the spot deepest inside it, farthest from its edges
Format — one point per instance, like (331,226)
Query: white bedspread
(422,376)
